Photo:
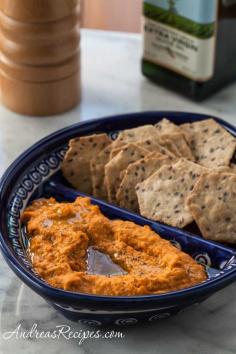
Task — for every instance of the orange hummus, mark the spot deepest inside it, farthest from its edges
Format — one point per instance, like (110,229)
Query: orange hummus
(61,233)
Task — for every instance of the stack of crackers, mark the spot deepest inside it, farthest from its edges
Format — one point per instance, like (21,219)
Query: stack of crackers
(169,173)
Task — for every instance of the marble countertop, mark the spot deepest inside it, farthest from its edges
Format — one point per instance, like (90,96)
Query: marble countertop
(112,83)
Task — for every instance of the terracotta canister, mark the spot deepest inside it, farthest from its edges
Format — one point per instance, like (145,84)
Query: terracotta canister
(39,55)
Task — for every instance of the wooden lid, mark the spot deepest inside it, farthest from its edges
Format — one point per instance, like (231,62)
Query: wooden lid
(38,10)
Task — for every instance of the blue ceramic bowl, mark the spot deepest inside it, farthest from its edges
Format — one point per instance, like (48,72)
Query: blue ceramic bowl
(36,173)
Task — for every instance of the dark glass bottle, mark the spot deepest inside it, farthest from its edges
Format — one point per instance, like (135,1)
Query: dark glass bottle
(214,37)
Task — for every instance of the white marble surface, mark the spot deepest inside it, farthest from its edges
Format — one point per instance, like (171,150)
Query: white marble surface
(111,84)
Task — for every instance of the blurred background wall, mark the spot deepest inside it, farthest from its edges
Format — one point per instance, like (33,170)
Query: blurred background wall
(114,15)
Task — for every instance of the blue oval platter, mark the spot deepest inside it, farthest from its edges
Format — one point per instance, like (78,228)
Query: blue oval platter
(36,173)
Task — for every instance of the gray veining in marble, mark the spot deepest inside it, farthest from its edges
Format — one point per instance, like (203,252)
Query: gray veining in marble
(111,84)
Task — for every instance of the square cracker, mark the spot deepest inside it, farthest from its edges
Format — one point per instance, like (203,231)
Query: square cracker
(162,196)
(76,164)
(210,143)
(212,205)
(120,162)
(136,173)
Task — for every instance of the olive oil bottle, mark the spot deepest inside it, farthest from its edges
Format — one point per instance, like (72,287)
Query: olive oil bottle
(190,45)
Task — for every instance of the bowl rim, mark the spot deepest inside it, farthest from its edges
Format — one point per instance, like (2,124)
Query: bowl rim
(33,153)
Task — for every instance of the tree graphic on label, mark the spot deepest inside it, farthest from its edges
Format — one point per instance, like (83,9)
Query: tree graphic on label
(172,7)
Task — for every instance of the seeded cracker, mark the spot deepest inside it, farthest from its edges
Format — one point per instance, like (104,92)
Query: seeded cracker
(115,150)
(136,173)
(169,145)
(233,167)
(165,126)
(210,143)
(226,169)
(76,163)
(120,162)
(137,134)
(154,147)
(162,196)
(174,133)
(157,155)
(98,173)
(180,144)
(212,204)
(150,145)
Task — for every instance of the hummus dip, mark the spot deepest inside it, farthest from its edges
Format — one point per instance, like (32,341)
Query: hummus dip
(62,233)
